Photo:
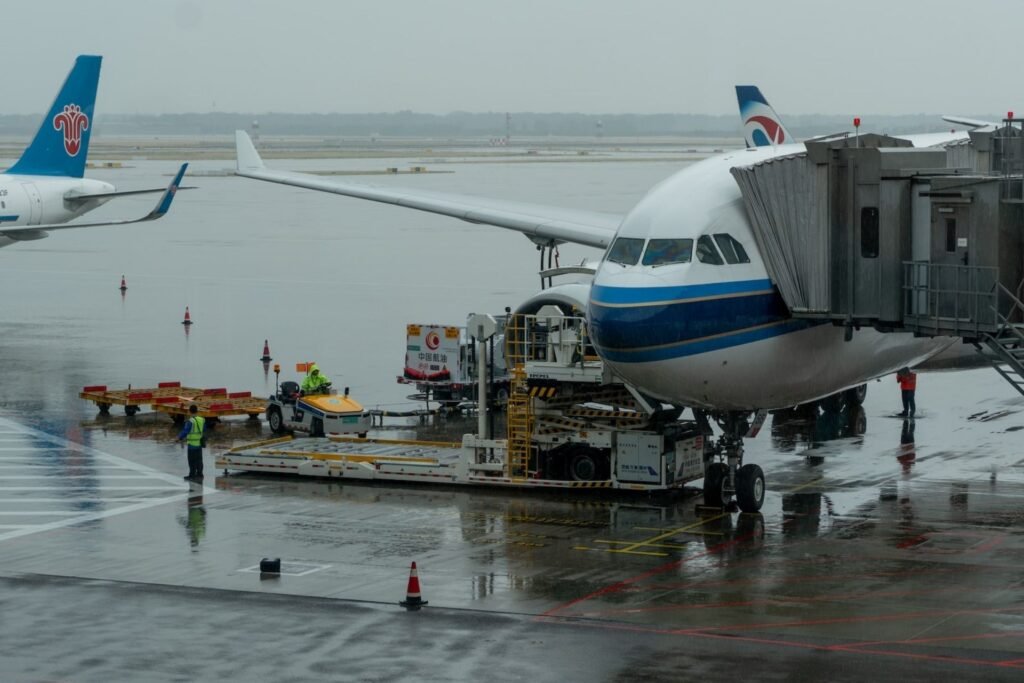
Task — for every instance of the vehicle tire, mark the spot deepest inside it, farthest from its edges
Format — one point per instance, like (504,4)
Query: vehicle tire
(716,475)
(750,488)
(275,420)
(856,396)
(858,421)
(131,410)
(583,467)
(501,397)
(316,427)
(104,408)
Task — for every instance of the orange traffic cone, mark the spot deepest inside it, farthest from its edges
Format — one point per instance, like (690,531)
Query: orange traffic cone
(266,352)
(188,318)
(124,285)
(413,601)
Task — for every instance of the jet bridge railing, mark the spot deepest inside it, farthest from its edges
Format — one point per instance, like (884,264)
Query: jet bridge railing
(950,299)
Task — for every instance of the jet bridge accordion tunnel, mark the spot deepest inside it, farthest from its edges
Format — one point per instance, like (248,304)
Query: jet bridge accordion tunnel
(870,231)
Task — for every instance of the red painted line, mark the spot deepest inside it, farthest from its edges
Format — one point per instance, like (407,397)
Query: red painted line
(780,600)
(792,579)
(938,639)
(1011,662)
(856,620)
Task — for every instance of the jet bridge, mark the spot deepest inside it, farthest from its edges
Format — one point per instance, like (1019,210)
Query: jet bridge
(870,231)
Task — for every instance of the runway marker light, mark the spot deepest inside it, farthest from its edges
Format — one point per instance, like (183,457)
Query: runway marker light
(413,601)
(188,318)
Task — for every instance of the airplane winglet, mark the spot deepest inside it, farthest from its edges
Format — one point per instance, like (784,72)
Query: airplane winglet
(164,205)
(246,156)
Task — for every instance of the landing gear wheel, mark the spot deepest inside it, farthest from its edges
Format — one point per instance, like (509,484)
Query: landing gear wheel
(857,395)
(275,420)
(501,397)
(583,467)
(316,427)
(716,476)
(750,488)
(131,410)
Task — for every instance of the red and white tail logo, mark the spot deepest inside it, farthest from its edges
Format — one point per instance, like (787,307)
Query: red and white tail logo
(72,121)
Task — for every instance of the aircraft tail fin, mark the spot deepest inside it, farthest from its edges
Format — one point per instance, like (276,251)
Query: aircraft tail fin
(762,127)
(246,156)
(62,141)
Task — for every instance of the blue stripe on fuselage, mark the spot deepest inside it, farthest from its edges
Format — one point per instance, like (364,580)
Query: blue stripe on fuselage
(647,295)
(690,320)
(8,219)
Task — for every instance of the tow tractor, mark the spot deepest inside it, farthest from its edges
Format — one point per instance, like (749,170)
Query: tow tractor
(289,410)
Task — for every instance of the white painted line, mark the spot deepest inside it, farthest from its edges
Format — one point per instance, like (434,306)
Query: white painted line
(105,488)
(23,501)
(12,526)
(51,466)
(64,477)
(38,513)
(35,448)
(291,568)
(173,483)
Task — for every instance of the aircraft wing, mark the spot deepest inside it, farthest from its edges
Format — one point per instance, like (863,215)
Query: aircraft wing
(29,232)
(970,123)
(542,224)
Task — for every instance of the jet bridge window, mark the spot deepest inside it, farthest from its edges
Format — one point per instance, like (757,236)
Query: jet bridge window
(626,251)
(869,232)
(732,250)
(707,253)
(668,251)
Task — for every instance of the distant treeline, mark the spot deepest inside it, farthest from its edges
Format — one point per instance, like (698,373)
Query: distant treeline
(490,124)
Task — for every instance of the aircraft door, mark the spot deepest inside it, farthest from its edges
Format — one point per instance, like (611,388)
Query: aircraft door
(35,204)
(951,250)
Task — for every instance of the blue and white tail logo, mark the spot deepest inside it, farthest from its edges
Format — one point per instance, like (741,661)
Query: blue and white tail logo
(762,127)
(62,142)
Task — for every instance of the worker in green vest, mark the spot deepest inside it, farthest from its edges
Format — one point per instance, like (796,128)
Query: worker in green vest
(315,382)
(193,434)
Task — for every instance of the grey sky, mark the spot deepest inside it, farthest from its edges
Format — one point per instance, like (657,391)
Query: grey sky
(593,56)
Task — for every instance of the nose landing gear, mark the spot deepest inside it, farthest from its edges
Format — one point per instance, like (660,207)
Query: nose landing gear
(725,475)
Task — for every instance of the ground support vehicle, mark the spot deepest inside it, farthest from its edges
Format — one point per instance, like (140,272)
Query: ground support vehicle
(134,398)
(212,407)
(571,429)
(441,361)
(317,415)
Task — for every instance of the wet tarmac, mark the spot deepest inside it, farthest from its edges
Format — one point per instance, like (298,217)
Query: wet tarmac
(886,548)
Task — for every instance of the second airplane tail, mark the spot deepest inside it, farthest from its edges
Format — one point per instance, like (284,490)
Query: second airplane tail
(762,127)
(62,141)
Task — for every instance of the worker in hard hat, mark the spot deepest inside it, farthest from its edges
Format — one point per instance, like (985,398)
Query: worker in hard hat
(315,381)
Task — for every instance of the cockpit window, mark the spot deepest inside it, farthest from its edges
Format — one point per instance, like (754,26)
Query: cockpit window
(706,252)
(626,251)
(667,251)
(731,248)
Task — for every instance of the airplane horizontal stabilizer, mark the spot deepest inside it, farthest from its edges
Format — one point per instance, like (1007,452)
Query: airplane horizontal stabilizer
(970,123)
(27,232)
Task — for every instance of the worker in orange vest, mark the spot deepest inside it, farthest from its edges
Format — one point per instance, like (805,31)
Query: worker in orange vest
(908,385)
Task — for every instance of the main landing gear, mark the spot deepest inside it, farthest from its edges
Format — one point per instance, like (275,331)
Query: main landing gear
(725,475)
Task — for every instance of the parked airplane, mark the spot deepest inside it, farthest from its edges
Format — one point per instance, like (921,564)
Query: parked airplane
(45,188)
(681,306)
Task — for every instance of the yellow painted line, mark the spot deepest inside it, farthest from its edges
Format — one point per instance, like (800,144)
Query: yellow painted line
(803,486)
(675,532)
(671,546)
(661,528)
(626,551)
(631,547)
